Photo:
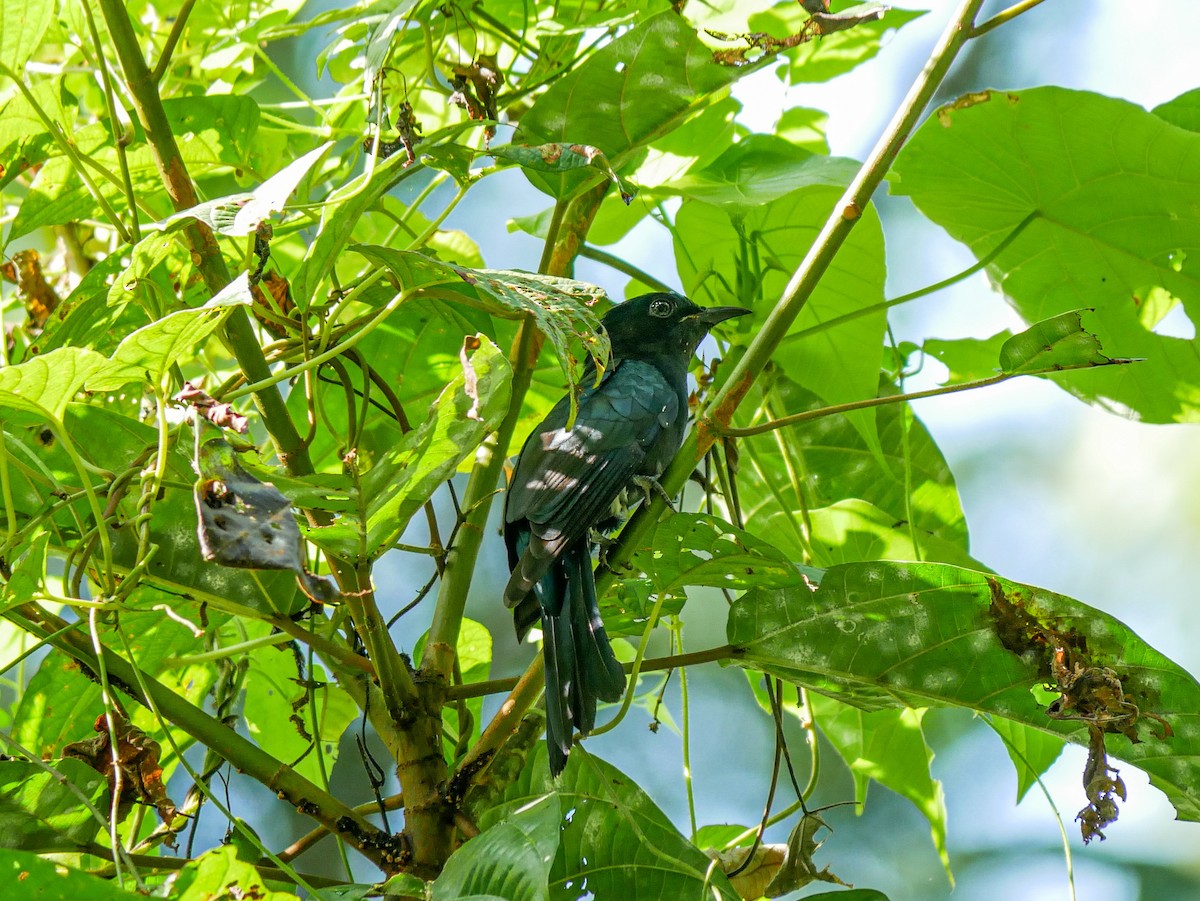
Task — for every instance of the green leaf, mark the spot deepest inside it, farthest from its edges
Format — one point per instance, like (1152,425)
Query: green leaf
(905,492)
(615,840)
(402,480)
(747,257)
(22,24)
(281,720)
(241,214)
(1032,752)
(561,307)
(1115,215)
(510,859)
(928,634)
(147,354)
(760,169)
(342,211)
(45,384)
(697,549)
(968,359)
(1182,112)
(888,747)
(41,811)
(45,880)
(563,158)
(624,96)
(219,874)
(854,530)
(1052,343)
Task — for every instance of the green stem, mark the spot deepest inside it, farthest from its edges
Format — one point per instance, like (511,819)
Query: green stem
(164,59)
(836,409)
(115,122)
(1004,16)
(615,262)
(982,264)
(238,332)
(481,489)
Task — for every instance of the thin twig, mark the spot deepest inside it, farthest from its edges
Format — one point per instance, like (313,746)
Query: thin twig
(807,415)
(1005,16)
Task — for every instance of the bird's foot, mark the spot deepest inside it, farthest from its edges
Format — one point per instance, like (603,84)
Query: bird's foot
(603,543)
(650,486)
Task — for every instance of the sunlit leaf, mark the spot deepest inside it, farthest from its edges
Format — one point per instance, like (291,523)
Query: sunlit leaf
(1115,217)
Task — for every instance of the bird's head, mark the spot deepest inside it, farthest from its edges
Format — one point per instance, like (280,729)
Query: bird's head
(654,325)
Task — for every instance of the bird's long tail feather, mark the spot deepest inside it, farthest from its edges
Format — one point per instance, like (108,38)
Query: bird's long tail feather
(580,666)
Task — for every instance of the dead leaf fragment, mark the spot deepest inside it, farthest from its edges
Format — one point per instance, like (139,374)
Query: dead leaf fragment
(138,773)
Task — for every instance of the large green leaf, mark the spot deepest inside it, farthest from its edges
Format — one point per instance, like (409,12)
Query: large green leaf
(510,860)
(747,256)
(625,95)
(1114,196)
(22,24)
(32,877)
(41,807)
(615,840)
(902,498)
(928,634)
(406,477)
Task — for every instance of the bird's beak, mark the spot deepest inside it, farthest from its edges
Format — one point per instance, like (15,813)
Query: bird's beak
(710,316)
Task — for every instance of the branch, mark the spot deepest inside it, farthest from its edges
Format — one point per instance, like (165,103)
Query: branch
(238,332)
(829,241)
(1001,17)
(652,664)
(807,415)
(243,754)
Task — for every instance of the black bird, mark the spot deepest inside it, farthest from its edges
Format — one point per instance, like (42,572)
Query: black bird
(568,486)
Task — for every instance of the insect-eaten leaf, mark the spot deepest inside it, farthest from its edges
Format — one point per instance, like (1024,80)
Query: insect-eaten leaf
(239,215)
(137,757)
(245,523)
(1060,342)
(561,157)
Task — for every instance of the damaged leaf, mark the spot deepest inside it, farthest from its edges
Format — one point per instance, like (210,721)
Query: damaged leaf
(880,634)
(25,271)
(1058,342)
(245,523)
(475,89)
(137,771)
(561,157)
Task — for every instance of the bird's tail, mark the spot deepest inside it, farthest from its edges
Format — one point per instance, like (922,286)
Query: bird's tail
(580,667)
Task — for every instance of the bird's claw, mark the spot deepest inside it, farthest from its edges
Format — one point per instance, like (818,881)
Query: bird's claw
(650,486)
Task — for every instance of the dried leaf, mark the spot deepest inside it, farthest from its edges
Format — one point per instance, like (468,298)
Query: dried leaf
(245,523)
(220,415)
(137,760)
(25,271)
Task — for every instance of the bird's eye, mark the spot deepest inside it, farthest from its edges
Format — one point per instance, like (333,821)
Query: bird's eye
(661,308)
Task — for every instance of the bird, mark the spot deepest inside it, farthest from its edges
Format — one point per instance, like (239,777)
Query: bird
(573,482)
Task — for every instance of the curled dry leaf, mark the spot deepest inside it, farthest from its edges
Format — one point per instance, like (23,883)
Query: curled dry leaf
(138,760)
(1090,692)
(221,415)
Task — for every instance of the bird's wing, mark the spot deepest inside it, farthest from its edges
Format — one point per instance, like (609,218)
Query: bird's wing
(566,480)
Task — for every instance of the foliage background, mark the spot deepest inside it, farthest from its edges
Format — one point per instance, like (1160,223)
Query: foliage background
(1057,494)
